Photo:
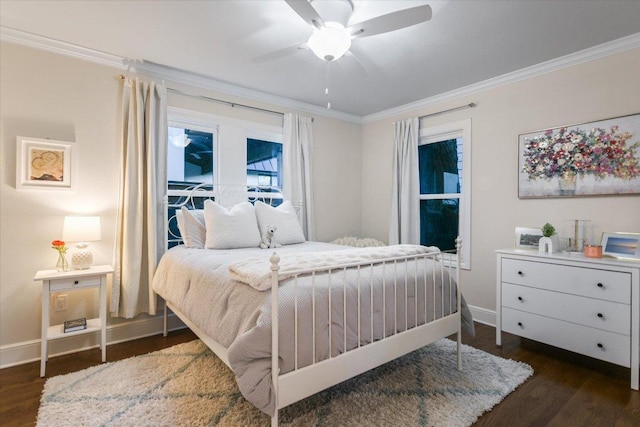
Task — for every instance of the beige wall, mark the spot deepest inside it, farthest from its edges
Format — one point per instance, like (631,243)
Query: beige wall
(50,96)
(600,89)
(45,95)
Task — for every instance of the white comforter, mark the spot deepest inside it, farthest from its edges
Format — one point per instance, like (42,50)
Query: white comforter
(238,317)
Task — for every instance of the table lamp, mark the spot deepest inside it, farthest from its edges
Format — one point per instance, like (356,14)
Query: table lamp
(81,229)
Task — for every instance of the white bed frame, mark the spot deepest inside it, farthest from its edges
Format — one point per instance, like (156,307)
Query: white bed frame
(305,381)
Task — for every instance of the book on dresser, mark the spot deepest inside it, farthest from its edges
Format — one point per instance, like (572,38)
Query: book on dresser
(75,325)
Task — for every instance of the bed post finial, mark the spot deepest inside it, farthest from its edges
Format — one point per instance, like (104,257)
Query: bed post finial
(275,259)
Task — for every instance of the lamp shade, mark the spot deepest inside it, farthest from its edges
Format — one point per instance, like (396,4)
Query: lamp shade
(81,229)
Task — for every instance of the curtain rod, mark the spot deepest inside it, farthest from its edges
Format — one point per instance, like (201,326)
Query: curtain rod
(220,101)
(462,107)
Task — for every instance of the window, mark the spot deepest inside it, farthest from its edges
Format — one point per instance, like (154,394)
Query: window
(444,154)
(190,157)
(264,163)
(204,149)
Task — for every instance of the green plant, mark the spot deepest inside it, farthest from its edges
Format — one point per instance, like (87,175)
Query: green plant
(548,230)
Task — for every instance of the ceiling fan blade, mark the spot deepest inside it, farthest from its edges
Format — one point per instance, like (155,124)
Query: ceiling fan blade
(281,53)
(306,12)
(355,60)
(391,22)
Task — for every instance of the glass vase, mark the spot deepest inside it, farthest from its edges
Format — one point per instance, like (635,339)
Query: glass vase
(568,183)
(62,264)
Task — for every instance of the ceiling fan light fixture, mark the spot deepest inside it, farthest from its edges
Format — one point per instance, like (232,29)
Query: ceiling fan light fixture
(330,42)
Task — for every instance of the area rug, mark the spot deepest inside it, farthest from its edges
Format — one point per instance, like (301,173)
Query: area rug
(187,385)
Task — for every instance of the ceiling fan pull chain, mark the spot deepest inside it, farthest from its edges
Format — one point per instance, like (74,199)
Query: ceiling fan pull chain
(326,89)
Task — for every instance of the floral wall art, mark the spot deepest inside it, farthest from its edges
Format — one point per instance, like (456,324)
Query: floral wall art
(596,158)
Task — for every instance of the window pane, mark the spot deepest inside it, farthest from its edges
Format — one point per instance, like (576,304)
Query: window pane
(264,163)
(189,157)
(440,166)
(439,223)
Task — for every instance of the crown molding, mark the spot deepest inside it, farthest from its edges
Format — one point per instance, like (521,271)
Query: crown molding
(177,75)
(62,48)
(165,73)
(192,79)
(580,57)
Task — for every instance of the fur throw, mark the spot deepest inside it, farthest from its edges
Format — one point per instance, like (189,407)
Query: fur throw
(357,242)
(268,242)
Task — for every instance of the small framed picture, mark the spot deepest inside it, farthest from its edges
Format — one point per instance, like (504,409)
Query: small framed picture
(621,245)
(528,238)
(44,164)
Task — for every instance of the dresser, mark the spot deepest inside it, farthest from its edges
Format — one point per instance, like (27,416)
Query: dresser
(586,305)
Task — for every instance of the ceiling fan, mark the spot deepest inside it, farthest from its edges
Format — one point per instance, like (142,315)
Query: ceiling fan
(332,34)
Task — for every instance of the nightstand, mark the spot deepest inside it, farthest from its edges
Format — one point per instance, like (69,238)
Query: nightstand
(68,281)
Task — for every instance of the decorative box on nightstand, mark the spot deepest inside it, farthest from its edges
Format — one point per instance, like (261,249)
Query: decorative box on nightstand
(55,281)
(586,305)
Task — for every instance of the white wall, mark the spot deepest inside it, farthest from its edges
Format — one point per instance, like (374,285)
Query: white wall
(45,95)
(600,89)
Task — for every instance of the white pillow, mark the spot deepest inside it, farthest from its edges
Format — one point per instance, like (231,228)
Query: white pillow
(191,226)
(284,217)
(230,228)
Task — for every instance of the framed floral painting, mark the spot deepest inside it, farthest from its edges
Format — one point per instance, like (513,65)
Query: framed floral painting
(589,159)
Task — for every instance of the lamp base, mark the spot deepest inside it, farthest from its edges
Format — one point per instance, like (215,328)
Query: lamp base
(82,258)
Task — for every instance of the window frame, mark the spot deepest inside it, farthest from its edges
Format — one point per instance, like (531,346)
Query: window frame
(229,149)
(206,122)
(458,129)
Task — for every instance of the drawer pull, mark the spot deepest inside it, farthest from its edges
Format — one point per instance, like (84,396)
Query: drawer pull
(600,285)
(520,273)
(600,346)
(520,299)
(600,315)
(75,282)
(520,324)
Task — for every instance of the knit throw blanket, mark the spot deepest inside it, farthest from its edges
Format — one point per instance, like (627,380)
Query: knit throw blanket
(256,272)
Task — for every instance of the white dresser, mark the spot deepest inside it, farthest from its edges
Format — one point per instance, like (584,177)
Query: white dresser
(586,305)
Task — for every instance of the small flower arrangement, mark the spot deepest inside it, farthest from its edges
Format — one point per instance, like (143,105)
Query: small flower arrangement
(576,151)
(60,246)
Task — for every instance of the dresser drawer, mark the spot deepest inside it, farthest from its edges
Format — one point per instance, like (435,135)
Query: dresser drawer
(595,313)
(71,283)
(596,343)
(589,282)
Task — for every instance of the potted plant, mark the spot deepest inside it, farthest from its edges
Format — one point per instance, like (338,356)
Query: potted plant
(548,243)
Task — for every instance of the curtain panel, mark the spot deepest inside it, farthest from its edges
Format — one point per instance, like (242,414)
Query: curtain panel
(298,145)
(140,220)
(404,226)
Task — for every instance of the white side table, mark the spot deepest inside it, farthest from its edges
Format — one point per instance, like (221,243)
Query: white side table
(57,281)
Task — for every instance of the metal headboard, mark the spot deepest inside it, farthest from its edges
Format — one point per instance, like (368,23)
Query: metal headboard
(193,196)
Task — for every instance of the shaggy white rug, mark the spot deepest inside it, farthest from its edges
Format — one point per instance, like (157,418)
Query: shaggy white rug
(187,385)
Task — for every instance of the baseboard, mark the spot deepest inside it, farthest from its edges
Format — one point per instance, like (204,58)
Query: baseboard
(29,351)
(482,315)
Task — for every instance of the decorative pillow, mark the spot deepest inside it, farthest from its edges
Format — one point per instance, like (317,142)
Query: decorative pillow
(230,228)
(191,226)
(283,217)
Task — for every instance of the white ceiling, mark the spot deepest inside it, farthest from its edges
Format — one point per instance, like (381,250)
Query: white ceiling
(465,42)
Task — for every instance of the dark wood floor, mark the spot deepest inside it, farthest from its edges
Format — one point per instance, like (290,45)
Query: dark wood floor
(565,390)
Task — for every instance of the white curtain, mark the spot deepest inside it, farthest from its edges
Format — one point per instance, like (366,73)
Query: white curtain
(405,204)
(140,227)
(298,144)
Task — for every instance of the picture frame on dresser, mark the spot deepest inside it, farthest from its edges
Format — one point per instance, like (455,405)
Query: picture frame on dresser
(621,245)
(528,238)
